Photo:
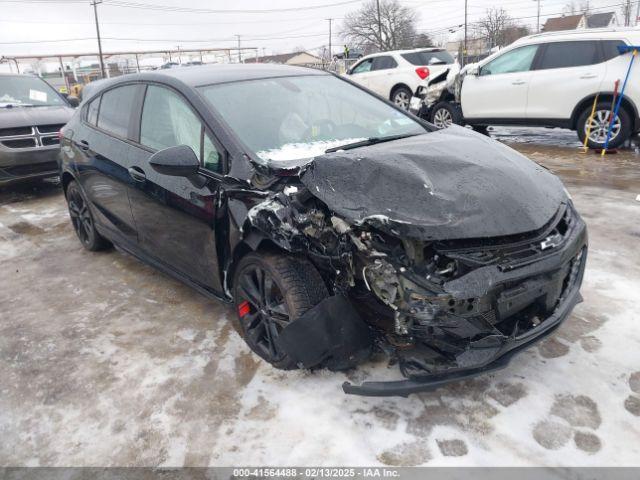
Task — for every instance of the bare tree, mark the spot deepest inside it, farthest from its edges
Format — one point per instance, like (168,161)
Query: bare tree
(393,29)
(422,40)
(627,12)
(492,27)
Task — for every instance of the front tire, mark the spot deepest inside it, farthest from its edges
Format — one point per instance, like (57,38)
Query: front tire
(445,114)
(620,132)
(82,220)
(270,291)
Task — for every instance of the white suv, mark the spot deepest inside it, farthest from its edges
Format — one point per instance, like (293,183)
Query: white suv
(397,74)
(552,79)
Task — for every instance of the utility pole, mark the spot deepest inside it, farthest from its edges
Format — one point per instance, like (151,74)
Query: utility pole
(95,13)
(538,29)
(638,14)
(330,54)
(466,16)
(379,24)
(239,51)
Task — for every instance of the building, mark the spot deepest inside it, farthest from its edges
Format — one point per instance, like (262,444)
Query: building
(602,20)
(581,21)
(294,58)
(566,22)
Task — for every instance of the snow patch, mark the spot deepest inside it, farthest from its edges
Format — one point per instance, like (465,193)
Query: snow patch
(299,151)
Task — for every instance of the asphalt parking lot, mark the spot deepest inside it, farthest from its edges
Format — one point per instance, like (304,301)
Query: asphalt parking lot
(105,361)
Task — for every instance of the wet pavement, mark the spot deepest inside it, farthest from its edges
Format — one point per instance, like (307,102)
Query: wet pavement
(106,361)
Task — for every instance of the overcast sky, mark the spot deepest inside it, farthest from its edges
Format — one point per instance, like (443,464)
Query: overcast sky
(67,26)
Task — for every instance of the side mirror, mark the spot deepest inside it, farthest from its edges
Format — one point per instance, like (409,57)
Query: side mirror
(73,101)
(179,161)
(473,71)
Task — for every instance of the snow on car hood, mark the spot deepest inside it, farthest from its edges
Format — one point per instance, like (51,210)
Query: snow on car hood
(450,184)
(299,151)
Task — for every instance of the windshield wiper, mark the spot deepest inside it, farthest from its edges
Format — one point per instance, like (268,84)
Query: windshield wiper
(15,105)
(370,141)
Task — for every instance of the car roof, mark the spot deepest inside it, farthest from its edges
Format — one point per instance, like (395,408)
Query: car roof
(632,34)
(400,52)
(198,75)
(201,75)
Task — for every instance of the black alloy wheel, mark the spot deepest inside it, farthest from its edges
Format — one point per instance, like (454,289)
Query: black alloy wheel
(263,312)
(82,220)
(270,291)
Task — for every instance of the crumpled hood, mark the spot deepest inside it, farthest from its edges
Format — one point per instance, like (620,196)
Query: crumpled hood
(31,116)
(449,184)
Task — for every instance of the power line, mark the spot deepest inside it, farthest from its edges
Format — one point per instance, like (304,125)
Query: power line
(170,8)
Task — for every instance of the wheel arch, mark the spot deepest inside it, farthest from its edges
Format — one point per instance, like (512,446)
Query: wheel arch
(397,86)
(254,241)
(65,180)
(587,102)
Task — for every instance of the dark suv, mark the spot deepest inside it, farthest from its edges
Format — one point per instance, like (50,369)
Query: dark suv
(31,115)
(336,223)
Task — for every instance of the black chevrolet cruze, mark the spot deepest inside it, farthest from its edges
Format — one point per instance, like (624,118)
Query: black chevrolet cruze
(336,223)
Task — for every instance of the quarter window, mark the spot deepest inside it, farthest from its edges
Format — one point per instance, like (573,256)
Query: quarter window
(569,54)
(383,63)
(518,60)
(92,111)
(115,110)
(610,49)
(168,121)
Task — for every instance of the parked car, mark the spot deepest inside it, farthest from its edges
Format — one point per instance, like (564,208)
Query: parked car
(551,80)
(334,221)
(168,65)
(31,115)
(396,75)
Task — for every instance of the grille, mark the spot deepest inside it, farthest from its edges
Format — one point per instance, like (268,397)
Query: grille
(47,141)
(30,137)
(16,131)
(20,143)
(50,128)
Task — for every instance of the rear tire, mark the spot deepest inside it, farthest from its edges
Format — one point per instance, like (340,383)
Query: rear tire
(401,96)
(444,114)
(621,131)
(270,291)
(82,220)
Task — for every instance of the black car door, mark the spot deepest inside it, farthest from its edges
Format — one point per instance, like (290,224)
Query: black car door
(175,216)
(102,145)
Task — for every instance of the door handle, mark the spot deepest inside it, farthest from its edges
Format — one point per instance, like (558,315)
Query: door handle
(84,145)
(587,76)
(137,174)
(518,82)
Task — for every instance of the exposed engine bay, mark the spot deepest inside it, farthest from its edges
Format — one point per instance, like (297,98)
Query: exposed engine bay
(437,266)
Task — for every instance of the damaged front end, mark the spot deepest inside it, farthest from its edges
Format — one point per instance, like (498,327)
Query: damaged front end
(417,284)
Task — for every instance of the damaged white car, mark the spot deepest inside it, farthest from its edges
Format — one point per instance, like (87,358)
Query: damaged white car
(338,224)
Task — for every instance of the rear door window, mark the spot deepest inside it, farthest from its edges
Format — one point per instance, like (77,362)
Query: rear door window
(383,63)
(116,107)
(569,54)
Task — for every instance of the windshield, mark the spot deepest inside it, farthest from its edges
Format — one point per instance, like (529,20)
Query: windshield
(25,91)
(426,57)
(293,118)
